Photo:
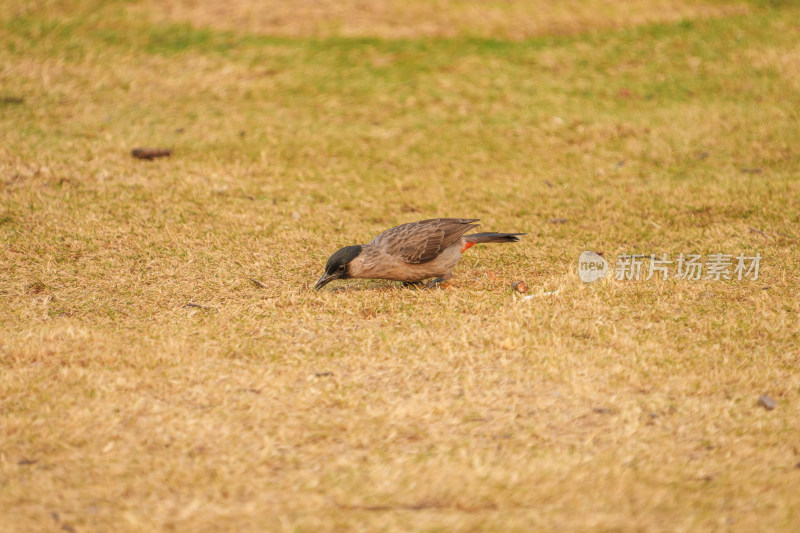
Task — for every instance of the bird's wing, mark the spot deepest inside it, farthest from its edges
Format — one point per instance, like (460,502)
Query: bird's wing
(419,242)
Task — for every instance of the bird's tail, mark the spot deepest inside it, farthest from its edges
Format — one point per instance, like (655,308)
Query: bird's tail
(493,237)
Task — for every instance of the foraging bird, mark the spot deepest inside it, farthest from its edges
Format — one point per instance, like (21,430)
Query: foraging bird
(410,252)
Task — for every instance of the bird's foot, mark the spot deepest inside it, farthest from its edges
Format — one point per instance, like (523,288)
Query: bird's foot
(438,283)
(415,284)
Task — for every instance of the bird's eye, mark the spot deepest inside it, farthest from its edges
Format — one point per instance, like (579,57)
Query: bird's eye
(341,268)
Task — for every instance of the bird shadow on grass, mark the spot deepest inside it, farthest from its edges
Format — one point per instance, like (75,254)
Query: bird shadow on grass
(387,286)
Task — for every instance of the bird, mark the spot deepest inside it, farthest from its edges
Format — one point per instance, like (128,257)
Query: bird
(411,252)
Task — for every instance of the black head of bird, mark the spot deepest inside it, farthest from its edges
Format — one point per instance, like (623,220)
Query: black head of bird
(337,265)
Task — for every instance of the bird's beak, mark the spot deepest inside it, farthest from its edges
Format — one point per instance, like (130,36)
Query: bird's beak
(324,280)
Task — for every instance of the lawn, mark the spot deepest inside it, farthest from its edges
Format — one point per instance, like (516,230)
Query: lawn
(165,364)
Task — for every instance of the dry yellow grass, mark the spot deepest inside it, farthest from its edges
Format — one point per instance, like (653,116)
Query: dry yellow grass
(514,19)
(611,406)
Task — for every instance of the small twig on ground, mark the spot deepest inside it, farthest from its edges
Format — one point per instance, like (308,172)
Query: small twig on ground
(198,306)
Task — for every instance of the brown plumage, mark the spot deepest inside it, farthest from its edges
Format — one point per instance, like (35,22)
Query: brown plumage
(410,252)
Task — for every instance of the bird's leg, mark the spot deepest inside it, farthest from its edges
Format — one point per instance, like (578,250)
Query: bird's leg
(411,284)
